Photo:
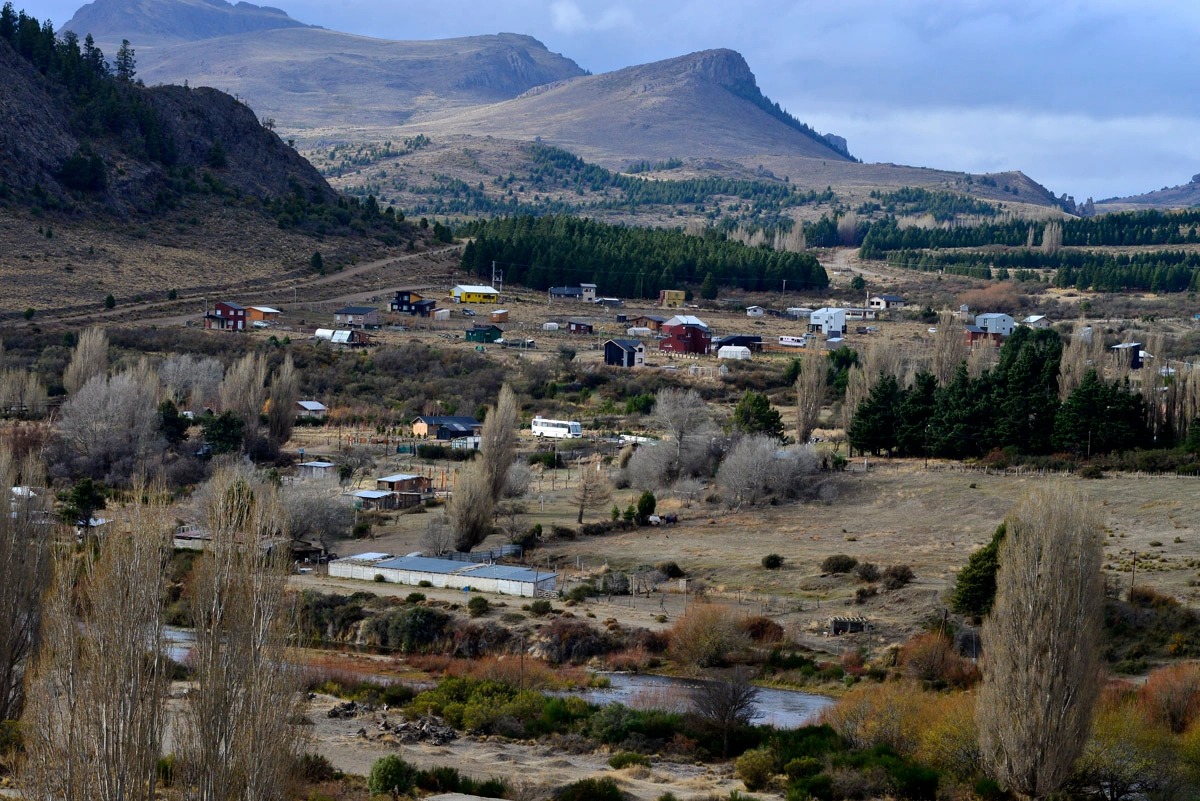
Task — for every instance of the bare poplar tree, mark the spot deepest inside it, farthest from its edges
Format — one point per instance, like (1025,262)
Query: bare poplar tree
(1041,668)
(25,568)
(438,538)
(949,348)
(858,387)
(285,392)
(593,492)
(811,390)
(1083,352)
(1052,237)
(237,735)
(686,419)
(21,394)
(111,424)
(757,468)
(244,388)
(192,380)
(498,441)
(98,695)
(89,359)
(471,507)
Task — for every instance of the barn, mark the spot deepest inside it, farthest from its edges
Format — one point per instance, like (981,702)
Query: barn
(447,573)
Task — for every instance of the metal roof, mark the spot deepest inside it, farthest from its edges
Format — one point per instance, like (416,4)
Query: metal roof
(312,406)
(341,337)
(371,495)
(318,463)
(476,289)
(369,556)
(398,477)
(428,564)
(685,319)
(357,310)
(266,310)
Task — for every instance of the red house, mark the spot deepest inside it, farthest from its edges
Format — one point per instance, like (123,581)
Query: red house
(686,334)
(226,316)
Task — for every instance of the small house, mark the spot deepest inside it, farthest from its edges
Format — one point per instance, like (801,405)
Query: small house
(262,314)
(313,410)
(550,326)
(584,293)
(671,298)
(404,482)
(652,321)
(828,321)
(1036,321)
(440,314)
(226,316)
(409,302)
(799,312)
(686,334)
(484,333)
(624,353)
(755,311)
(343,337)
(885,302)
(499,316)
(996,325)
(373,500)
(752,341)
(317,468)
(357,316)
(580,327)
(474,293)
(445,427)
(736,352)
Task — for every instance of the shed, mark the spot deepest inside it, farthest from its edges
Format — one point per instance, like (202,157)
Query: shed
(314,410)
(484,333)
(403,482)
(369,500)
(440,314)
(580,327)
(755,311)
(638,331)
(738,352)
(499,316)
(317,468)
(1036,321)
(671,298)
(550,326)
(262,314)
(448,573)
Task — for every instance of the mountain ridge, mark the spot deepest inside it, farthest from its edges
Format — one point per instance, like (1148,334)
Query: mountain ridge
(152,22)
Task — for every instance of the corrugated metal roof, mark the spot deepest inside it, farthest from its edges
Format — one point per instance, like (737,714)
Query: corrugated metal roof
(357,310)
(371,495)
(341,337)
(266,310)
(369,556)
(398,477)
(476,289)
(312,406)
(427,564)
(318,463)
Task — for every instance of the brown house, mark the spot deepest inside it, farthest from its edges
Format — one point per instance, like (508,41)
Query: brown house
(403,482)
(652,321)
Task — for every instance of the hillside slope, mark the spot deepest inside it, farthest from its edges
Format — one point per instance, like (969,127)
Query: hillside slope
(1184,196)
(150,22)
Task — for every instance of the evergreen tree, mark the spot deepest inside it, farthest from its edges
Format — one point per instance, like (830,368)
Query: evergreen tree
(975,584)
(1099,417)
(708,290)
(873,429)
(755,415)
(126,64)
(914,417)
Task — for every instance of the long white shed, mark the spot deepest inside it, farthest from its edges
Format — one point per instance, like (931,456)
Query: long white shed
(447,573)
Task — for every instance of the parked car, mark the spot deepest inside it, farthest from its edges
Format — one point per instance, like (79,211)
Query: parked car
(469,312)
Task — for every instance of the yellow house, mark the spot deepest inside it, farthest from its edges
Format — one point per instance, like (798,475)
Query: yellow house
(671,298)
(468,293)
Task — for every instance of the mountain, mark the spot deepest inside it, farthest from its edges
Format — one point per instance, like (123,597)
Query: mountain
(96,139)
(308,78)
(150,22)
(1169,197)
(705,104)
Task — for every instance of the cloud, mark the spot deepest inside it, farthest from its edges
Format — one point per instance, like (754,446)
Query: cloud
(1079,154)
(569,18)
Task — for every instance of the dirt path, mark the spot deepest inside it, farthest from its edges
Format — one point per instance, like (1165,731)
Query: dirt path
(300,291)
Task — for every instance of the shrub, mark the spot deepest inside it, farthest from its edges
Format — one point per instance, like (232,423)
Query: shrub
(802,768)
(424,583)
(838,563)
(864,594)
(626,758)
(897,576)
(646,505)
(772,561)
(762,629)
(164,769)
(755,768)
(541,607)
(706,635)
(391,775)
(604,789)
(671,570)
(867,571)
(379,579)
(414,598)
(478,606)
(314,768)
(1171,696)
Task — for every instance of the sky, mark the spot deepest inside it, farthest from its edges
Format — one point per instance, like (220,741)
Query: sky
(1093,98)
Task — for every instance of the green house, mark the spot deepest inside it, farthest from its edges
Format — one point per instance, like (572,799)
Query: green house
(484,333)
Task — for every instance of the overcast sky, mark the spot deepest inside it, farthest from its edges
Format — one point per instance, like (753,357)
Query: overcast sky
(1089,97)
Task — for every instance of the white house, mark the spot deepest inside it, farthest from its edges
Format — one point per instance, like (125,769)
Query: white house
(755,311)
(885,302)
(995,324)
(737,352)
(830,322)
(1036,321)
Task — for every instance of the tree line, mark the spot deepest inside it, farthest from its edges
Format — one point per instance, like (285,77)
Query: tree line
(629,262)
(1016,405)
(1157,271)
(944,206)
